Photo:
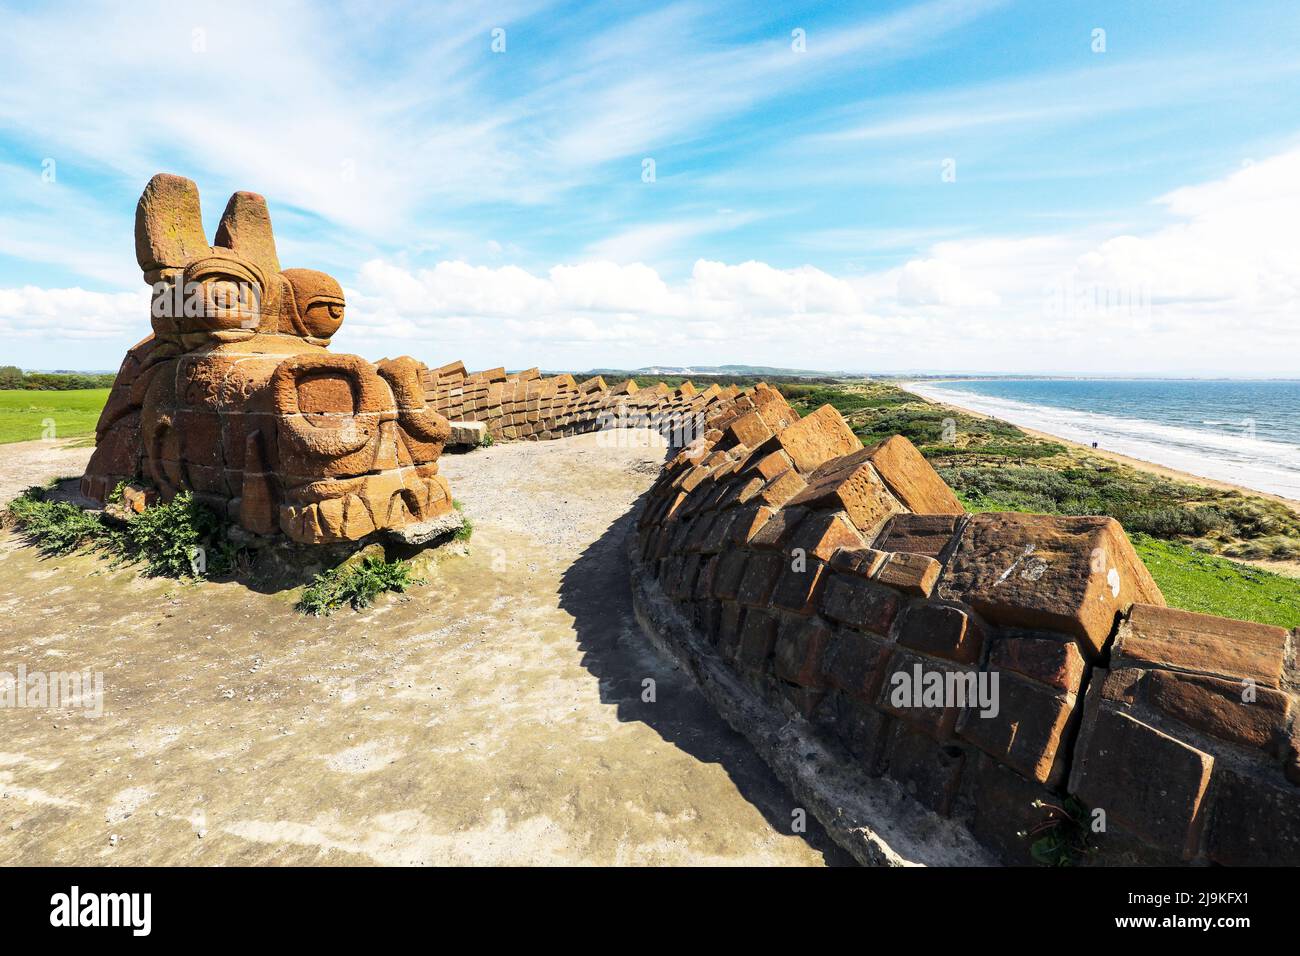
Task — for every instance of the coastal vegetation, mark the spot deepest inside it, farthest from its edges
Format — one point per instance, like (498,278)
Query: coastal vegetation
(355,583)
(1195,581)
(1186,532)
(176,539)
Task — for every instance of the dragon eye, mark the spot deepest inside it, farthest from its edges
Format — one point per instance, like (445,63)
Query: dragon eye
(323,318)
(227,302)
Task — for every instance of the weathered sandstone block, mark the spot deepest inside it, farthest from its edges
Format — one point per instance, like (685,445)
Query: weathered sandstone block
(925,768)
(1255,822)
(860,604)
(1073,575)
(907,690)
(914,574)
(911,478)
(932,535)
(467,434)
(1181,640)
(1222,708)
(817,438)
(1146,781)
(1027,731)
(1042,657)
(943,630)
(849,484)
(821,535)
(854,664)
(1002,807)
(799,655)
(796,589)
(863,562)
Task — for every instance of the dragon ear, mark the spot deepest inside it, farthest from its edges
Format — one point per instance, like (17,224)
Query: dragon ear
(168,225)
(246,231)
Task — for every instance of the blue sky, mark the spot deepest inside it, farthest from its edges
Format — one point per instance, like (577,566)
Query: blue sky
(941,185)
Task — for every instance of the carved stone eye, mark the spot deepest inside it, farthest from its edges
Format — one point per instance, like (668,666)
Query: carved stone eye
(323,317)
(223,294)
(229,303)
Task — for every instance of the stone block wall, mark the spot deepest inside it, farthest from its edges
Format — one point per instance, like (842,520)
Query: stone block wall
(846,587)
(527,406)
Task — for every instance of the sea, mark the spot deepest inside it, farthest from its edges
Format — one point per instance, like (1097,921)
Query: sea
(1243,432)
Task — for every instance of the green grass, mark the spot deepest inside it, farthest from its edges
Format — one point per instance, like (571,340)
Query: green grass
(466,530)
(168,536)
(1207,584)
(356,584)
(805,398)
(25,415)
(56,527)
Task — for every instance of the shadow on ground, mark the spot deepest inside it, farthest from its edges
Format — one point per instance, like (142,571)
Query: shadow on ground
(596,591)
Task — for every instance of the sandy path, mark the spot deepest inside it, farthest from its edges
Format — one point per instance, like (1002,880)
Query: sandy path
(495,715)
(27,463)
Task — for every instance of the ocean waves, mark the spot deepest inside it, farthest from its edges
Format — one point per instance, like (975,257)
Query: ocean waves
(1223,449)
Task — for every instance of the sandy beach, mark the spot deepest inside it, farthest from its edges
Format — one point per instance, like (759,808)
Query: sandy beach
(1290,569)
(1141,465)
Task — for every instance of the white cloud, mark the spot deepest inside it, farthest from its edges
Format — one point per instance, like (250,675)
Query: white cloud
(621,114)
(1026,103)
(1216,289)
(940,282)
(654,240)
(758,289)
(57,314)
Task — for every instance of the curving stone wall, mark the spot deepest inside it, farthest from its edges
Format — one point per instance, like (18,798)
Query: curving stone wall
(846,588)
(524,405)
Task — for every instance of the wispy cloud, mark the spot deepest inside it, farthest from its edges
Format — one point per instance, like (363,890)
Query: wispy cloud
(651,241)
(321,110)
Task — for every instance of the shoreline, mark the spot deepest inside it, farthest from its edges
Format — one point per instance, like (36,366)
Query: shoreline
(1139,464)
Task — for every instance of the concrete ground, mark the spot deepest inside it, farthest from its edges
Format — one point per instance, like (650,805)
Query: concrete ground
(492,716)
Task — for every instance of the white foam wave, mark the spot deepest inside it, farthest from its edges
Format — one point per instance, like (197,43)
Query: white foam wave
(1228,455)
